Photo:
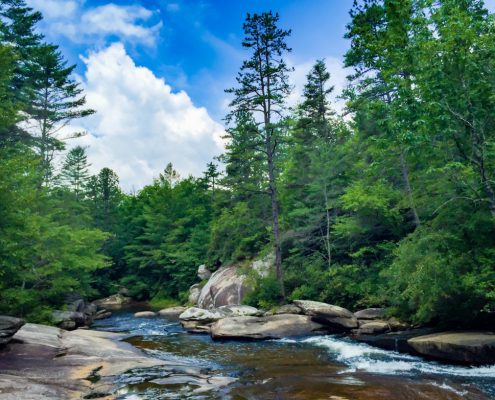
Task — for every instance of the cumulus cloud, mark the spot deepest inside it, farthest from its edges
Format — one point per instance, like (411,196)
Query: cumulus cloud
(131,23)
(53,9)
(141,124)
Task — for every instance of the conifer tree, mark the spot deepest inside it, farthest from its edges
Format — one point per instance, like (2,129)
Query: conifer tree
(262,89)
(75,171)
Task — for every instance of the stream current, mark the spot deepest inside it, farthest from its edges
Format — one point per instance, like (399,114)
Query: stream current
(312,368)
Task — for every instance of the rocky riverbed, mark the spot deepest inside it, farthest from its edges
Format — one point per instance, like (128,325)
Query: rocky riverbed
(153,357)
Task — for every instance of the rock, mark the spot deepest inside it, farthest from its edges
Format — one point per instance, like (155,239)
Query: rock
(8,327)
(370,313)
(123,291)
(335,317)
(465,347)
(288,309)
(114,301)
(261,328)
(194,292)
(48,363)
(395,341)
(240,311)
(77,306)
(203,272)
(373,327)
(67,325)
(172,311)
(102,314)
(70,320)
(198,320)
(145,314)
(396,325)
(264,266)
(225,287)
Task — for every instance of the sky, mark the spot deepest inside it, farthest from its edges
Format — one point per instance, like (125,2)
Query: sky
(155,71)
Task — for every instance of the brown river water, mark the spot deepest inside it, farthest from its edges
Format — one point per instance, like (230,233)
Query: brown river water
(323,367)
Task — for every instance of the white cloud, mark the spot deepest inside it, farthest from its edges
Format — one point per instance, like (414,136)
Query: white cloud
(338,79)
(54,9)
(141,124)
(70,19)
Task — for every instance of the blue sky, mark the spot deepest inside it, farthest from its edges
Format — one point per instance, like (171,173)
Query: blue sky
(196,45)
(156,70)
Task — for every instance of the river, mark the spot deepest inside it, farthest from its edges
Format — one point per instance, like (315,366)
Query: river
(320,367)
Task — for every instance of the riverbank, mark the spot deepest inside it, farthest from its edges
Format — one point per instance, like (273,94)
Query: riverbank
(47,363)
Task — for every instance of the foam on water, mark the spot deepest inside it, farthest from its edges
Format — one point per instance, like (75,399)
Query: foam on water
(362,357)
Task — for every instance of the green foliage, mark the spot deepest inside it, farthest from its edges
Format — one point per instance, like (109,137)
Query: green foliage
(265,293)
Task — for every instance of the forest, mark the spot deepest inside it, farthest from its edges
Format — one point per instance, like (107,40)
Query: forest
(387,203)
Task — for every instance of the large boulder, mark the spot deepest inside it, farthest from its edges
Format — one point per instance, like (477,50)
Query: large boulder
(194,292)
(464,347)
(8,328)
(262,328)
(203,272)
(198,320)
(240,311)
(370,313)
(225,287)
(338,318)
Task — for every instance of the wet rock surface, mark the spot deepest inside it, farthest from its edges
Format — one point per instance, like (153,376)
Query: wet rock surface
(263,328)
(336,317)
(463,347)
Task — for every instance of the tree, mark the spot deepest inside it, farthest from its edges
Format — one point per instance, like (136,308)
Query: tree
(263,88)
(382,34)
(55,100)
(104,195)
(315,108)
(75,171)
(19,38)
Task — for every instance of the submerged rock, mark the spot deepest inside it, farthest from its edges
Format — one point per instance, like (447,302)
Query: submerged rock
(262,328)
(335,317)
(464,347)
(8,328)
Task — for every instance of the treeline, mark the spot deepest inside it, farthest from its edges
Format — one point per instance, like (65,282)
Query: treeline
(390,202)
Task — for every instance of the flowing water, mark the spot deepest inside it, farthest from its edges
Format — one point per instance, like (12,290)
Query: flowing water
(320,367)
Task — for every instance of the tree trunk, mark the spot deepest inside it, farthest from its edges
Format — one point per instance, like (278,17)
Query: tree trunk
(275,221)
(407,185)
(327,236)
